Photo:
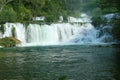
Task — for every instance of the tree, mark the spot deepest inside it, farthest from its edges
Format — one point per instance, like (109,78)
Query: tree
(3,3)
(109,6)
(8,14)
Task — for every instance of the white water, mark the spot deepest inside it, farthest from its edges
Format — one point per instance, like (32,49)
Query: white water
(19,31)
(59,33)
(83,19)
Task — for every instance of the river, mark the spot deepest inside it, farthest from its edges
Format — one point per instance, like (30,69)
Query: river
(65,62)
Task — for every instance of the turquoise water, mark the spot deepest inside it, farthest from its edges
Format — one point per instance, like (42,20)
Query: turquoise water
(75,62)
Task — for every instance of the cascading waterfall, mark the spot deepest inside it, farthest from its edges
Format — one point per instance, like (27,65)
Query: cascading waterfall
(19,31)
(50,34)
(79,31)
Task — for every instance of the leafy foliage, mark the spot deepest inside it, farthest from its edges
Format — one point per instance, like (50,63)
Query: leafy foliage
(7,42)
(8,14)
(116,28)
(24,10)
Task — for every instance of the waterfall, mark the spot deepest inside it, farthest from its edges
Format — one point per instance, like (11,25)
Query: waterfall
(50,34)
(19,31)
(79,32)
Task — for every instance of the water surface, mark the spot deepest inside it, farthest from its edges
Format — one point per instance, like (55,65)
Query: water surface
(75,62)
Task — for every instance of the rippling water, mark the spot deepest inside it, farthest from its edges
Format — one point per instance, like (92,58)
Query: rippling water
(74,62)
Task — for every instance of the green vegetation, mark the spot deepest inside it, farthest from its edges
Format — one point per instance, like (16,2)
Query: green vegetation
(62,78)
(13,32)
(2,28)
(9,42)
(116,29)
(97,21)
(7,14)
(24,10)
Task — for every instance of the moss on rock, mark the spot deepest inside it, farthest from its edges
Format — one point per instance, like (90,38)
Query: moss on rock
(9,42)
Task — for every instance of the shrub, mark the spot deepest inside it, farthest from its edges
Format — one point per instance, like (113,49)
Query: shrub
(97,21)
(24,14)
(9,42)
(116,29)
(8,15)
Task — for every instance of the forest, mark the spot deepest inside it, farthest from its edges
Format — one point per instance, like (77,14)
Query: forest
(25,10)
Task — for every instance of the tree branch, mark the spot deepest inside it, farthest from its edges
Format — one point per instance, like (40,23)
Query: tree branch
(3,3)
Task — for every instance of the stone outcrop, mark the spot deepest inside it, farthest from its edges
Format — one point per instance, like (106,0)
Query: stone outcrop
(9,42)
